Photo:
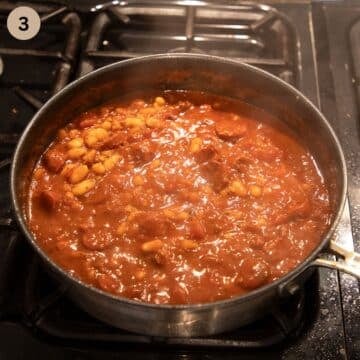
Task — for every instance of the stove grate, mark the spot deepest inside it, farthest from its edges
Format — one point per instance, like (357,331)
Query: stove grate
(256,34)
(50,59)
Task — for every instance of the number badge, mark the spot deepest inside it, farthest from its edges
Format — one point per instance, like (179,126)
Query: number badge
(23,23)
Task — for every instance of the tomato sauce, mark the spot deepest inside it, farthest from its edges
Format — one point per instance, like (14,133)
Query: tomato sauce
(178,198)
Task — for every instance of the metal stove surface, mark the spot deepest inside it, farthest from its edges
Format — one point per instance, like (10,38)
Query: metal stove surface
(342,22)
(273,38)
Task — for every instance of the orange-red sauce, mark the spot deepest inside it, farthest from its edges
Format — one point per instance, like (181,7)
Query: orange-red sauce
(181,198)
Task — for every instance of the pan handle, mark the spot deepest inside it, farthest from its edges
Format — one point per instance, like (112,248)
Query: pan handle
(342,245)
(350,264)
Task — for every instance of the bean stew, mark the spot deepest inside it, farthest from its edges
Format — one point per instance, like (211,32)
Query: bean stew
(178,197)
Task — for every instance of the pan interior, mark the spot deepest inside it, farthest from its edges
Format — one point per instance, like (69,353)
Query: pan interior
(201,73)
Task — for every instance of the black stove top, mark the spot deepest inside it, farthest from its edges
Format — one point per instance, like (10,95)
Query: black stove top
(296,41)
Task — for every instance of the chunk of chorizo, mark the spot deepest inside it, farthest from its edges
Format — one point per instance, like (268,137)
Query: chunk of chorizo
(214,171)
(293,212)
(96,240)
(142,153)
(153,224)
(206,153)
(108,283)
(54,160)
(228,129)
(254,272)
(197,229)
(49,199)
(87,123)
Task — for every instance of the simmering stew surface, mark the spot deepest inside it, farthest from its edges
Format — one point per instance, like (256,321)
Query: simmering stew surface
(180,198)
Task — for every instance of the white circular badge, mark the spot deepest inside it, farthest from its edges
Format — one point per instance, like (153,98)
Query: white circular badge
(23,23)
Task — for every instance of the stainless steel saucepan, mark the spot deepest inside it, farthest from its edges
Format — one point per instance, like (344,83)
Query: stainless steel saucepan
(198,72)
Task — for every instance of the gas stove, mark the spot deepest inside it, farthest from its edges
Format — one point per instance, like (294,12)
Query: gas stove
(313,46)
